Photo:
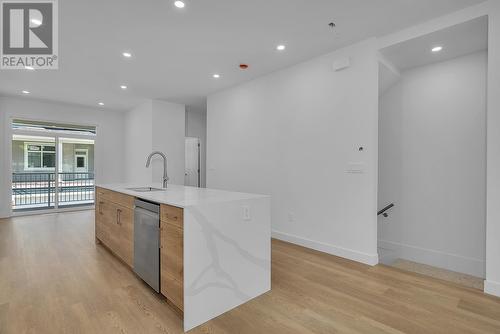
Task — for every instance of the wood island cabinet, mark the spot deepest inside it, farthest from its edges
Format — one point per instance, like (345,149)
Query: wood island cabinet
(114,227)
(191,239)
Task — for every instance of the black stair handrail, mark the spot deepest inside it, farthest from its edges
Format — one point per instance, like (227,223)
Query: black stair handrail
(384,210)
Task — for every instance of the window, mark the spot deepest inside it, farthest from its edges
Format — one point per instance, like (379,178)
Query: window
(80,162)
(81,156)
(39,156)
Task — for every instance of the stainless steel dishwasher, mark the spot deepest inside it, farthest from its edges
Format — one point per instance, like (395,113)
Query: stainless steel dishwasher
(147,242)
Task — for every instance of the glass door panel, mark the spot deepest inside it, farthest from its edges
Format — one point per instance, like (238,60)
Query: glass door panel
(33,172)
(76,172)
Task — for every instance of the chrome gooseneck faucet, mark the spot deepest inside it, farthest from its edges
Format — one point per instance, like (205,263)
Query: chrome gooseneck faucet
(165,176)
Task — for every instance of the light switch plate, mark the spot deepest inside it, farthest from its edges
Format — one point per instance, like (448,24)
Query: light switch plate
(246,213)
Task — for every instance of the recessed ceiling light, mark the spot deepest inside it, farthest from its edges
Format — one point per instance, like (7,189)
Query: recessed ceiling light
(179,4)
(30,68)
(123,87)
(25,92)
(101,103)
(216,76)
(437,49)
(127,54)
(280,47)
(36,22)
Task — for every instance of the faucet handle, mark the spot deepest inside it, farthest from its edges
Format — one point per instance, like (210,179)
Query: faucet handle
(165,181)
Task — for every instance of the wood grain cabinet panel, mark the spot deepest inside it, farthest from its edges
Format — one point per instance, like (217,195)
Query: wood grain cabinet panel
(115,197)
(125,222)
(172,214)
(173,290)
(114,224)
(172,255)
(99,220)
(172,243)
(105,224)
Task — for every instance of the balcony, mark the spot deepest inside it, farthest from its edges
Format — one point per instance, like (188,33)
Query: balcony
(32,191)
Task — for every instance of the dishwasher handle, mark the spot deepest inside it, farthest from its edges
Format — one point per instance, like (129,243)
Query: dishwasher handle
(153,207)
(147,212)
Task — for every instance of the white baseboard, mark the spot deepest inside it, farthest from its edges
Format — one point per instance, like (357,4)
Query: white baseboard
(492,288)
(370,259)
(453,262)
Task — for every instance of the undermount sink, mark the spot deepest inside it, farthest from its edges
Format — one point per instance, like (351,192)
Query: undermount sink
(145,189)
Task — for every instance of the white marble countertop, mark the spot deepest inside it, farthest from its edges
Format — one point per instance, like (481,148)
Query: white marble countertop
(180,196)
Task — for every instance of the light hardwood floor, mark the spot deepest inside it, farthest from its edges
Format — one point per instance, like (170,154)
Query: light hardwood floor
(440,273)
(55,279)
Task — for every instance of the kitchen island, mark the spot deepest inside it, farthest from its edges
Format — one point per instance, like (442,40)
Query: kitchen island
(214,245)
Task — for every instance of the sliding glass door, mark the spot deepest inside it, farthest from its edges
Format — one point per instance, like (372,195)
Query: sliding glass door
(51,168)
(33,172)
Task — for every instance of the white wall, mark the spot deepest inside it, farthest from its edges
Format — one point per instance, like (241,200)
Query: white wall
(492,283)
(155,126)
(169,138)
(138,143)
(109,141)
(432,165)
(196,126)
(293,134)
(5,169)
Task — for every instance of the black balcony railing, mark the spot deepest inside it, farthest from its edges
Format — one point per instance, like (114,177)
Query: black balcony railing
(38,190)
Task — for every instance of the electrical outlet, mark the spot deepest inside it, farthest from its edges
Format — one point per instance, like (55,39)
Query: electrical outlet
(291,217)
(246,213)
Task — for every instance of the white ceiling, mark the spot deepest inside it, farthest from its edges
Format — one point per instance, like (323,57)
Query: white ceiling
(175,52)
(458,40)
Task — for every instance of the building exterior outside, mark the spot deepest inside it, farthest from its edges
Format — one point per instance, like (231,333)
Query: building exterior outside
(35,184)
(30,156)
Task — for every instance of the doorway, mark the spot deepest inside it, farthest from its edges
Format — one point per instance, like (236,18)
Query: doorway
(192,175)
(52,166)
(432,154)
